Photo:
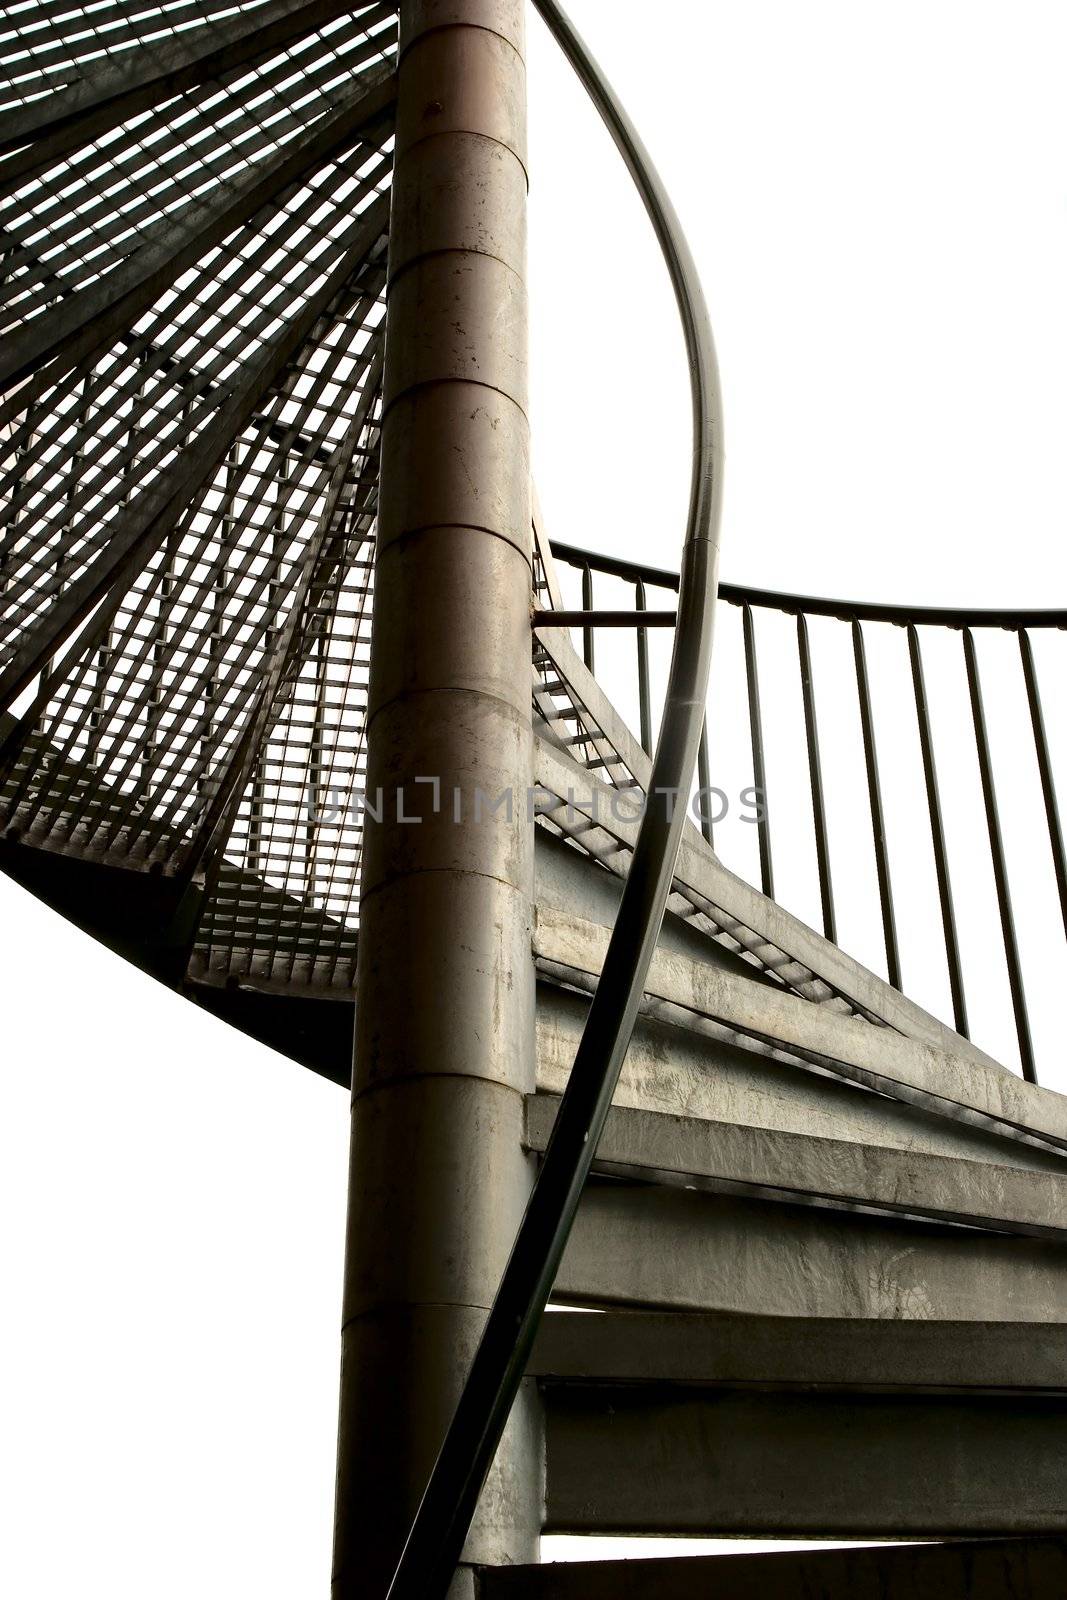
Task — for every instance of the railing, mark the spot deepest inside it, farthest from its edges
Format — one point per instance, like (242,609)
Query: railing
(440,1527)
(958,776)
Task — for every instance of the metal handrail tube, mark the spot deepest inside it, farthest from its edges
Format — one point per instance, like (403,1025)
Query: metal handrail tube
(436,1539)
(629,617)
(737,594)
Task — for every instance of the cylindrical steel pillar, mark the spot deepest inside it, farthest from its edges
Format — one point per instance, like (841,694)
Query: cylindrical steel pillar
(445,990)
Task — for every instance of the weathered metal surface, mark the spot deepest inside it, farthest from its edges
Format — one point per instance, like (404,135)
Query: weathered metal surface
(445,988)
(494,1382)
(643,1246)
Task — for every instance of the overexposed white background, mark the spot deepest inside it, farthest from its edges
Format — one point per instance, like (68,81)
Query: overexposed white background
(877,199)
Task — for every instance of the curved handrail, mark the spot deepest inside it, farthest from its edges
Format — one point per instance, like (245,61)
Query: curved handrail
(436,1539)
(821,605)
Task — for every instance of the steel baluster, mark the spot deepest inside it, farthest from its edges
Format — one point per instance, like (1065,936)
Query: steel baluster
(874,790)
(818,798)
(1044,765)
(937,833)
(1000,869)
(642,674)
(587,605)
(759,772)
(704,779)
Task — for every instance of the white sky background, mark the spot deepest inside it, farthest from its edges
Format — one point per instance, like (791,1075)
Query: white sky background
(877,199)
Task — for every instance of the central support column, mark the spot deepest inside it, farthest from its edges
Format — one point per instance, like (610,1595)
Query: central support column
(445,990)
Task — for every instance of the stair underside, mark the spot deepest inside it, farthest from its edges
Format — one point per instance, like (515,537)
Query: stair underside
(1022,1569)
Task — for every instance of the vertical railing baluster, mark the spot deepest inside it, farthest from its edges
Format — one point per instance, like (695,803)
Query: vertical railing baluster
(228,546)
(1000,870)
(64,560)
(104,650)
(644,695)
(937,834)
(21,440)
(874,791)
(318,762)
(818,797)
(587,605)
(759,772)
(704,780)
(1044,767)
(273,605)
(316,799)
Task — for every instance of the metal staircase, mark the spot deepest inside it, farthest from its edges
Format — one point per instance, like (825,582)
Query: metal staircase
(825,1232)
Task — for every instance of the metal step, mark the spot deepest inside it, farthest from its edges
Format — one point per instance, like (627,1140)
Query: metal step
(719,1351)
(685,1069)
(740,1462)
(1024,1569)
(942,1081)
(696,1153)
(636,1245)
(791,1427)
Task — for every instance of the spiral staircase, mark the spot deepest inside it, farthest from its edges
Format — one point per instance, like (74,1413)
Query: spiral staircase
(825,1232)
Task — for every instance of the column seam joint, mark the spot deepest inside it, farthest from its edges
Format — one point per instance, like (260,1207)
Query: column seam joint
(453,27)
(443,688)
(381,550)
(452,250)
(370,1089)
(458,872)
(437,383)
(466,133)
